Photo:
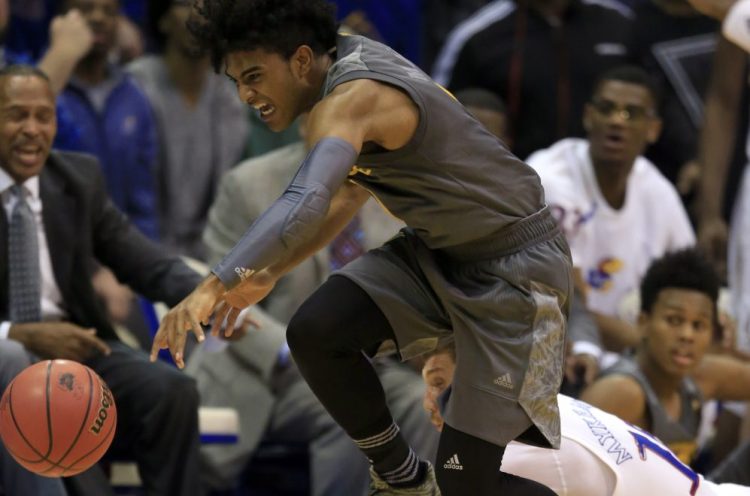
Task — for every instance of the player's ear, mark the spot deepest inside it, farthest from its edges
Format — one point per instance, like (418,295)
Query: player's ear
(302,61)
(642,325)
(654,130)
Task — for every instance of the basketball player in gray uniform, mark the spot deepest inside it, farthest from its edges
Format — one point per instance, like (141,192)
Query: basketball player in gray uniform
(481,263)
(679,434)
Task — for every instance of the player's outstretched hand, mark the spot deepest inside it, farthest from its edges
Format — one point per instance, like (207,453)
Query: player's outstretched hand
(189,314)
(248,292)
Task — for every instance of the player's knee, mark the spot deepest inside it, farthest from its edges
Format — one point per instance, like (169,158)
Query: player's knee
(306,334)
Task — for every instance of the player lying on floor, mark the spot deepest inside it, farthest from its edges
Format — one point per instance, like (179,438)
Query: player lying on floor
(600,455)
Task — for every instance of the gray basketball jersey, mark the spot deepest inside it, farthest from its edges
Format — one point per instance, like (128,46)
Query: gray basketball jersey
(454,181)
(680,435)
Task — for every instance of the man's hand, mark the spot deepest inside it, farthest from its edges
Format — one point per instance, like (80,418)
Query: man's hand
(189,314)
(117,297)
(129,40)
(71,34)
(51,340)
(241,328)
(71,39)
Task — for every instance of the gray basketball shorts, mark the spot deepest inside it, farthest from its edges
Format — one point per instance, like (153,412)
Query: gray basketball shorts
(504,303)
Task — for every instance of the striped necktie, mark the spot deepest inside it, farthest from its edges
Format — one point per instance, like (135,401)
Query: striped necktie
(23,260)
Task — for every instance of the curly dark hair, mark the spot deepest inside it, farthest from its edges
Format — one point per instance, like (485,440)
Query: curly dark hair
(277,26)
(683,269)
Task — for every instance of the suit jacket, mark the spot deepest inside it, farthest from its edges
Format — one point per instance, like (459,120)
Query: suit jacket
(82,225)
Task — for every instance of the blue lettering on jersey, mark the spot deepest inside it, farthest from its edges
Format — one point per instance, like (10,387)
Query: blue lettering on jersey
(602,434)
(644,441)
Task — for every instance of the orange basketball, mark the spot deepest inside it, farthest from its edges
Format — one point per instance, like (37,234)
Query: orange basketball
(57,418)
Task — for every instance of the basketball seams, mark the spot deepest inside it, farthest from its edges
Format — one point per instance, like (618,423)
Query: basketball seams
(58,463)
(15,415)
(20,431)
(49,416)
(110,433)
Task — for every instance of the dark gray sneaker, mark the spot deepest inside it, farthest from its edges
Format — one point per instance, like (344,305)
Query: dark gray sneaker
(378,487)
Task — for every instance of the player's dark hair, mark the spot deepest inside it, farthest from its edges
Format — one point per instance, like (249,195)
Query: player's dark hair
(683,269)
(634,75)
(481,98)
(277,26)
(23,70)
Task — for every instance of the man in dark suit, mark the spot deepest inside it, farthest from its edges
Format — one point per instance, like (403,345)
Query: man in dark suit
(60,199)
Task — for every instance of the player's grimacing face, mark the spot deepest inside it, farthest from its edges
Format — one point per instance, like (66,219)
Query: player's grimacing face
(678,329)
(28,125)
(620,121)
(266,82)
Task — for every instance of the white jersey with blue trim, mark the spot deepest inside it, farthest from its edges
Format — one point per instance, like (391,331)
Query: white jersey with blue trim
(601,455)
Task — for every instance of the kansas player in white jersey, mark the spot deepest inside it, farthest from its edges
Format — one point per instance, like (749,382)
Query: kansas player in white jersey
(600,455)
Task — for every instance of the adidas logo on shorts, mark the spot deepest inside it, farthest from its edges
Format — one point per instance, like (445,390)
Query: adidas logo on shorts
(453,463)
(505,381)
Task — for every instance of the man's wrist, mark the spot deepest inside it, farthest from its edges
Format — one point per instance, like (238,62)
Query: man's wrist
(69,52)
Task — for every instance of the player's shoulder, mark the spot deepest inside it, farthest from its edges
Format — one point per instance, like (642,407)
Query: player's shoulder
(650,180)
(619,394)
(556,153)
(557,164)
(358,92)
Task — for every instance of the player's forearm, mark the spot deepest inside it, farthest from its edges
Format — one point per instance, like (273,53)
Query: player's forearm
(617,335)
(58,64)
(344,206)
(296,223)
(720,122)
(723,378)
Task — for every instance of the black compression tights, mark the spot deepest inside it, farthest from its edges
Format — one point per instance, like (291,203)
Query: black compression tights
(327,336)
(467,465)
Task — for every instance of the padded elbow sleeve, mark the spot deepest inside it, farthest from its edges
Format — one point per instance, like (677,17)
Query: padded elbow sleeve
(295,217)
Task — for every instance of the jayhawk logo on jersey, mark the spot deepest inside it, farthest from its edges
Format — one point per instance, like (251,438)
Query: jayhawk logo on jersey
(600,278)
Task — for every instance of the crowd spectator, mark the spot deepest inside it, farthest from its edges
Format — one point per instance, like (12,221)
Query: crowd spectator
(540,57)
(617,210)
(201,124)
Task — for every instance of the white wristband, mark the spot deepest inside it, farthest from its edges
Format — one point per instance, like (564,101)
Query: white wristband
(4,329)
(736,25)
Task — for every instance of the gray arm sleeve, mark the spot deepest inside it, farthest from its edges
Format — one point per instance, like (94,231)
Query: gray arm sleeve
(295,216)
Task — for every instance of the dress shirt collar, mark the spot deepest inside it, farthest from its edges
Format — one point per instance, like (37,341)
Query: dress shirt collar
(31,185)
